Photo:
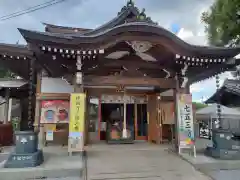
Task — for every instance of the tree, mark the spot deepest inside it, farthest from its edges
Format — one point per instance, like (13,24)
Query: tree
(222,23)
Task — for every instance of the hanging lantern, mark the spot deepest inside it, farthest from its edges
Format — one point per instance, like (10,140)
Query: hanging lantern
(30,94)
(217,122)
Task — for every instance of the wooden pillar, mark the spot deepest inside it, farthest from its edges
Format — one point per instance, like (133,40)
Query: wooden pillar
(159,120)
(38,103)
(124,118)
(86,120)
(9,110)
(38,127)
(6,109)
(99,117)
(175,94)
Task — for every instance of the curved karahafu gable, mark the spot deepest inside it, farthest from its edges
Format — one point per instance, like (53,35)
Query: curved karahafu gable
(139,31)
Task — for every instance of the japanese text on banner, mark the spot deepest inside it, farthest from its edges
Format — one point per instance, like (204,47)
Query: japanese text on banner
(185,120)
(77,113)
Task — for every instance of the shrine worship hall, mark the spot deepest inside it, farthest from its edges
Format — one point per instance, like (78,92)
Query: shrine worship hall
(117,84)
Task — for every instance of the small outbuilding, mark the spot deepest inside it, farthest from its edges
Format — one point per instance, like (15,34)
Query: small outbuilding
(230,116)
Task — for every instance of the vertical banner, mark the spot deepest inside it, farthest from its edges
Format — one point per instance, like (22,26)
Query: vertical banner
(185,121)
(77,122)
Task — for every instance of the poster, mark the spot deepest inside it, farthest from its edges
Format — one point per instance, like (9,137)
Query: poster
(49,136)
(54,111)
(77,121)
(185,121)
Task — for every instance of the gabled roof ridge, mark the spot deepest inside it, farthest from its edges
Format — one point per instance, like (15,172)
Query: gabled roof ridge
(122,15)
(125,11)
(227,81)
(15,48)
(64,27)
(14,45)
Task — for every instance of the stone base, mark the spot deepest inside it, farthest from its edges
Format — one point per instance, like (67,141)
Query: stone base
(120,141)
(224,154)
(24,160)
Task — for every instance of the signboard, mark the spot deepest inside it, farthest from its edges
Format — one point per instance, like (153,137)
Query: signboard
(119,99)
(49,136)
(54,111)
(77,121)
(185,121)
(50,127)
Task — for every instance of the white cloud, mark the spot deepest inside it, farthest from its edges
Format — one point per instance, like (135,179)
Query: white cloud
(196,39)
(183,33)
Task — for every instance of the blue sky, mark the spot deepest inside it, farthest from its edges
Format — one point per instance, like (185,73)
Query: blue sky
(93,13)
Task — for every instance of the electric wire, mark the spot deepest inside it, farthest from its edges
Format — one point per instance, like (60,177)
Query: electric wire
(29,10)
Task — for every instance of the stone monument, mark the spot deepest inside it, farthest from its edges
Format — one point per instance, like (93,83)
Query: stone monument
(226,145)
(26,152)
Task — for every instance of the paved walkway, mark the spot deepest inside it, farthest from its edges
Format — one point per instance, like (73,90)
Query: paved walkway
(138,161)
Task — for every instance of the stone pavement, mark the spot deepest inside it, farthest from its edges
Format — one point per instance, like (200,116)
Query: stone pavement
(138,161)
(225,174)
(111,162)
(215,168)
(57,164)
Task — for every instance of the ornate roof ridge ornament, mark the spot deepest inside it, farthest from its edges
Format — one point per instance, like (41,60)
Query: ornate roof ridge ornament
(144,18)
(130,4)
(138,15)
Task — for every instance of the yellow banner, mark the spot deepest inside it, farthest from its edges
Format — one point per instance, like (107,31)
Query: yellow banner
(77,113)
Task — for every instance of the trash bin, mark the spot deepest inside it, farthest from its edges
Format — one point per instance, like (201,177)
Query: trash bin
(26,142)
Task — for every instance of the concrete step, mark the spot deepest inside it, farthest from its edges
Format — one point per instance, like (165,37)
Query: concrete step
(40,173)
(127,175)
(129,178)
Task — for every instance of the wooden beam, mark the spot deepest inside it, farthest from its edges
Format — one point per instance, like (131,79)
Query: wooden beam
(52,96)
(131,60)
(127,81)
